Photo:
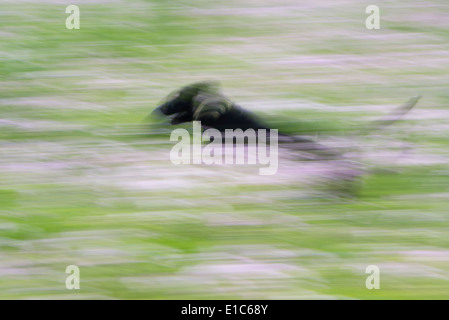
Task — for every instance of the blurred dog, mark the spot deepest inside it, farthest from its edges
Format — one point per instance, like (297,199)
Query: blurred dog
(204,102)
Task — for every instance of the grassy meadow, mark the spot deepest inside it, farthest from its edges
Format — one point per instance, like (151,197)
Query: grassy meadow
(84,181)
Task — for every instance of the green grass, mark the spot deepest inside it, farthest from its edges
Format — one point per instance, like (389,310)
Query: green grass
(82,184)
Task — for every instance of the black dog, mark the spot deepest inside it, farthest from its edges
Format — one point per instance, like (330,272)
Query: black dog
(204,102)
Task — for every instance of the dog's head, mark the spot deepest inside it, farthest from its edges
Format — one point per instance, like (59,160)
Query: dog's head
(182,100)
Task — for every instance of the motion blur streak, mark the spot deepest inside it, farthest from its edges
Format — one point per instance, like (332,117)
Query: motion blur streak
(84,182)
